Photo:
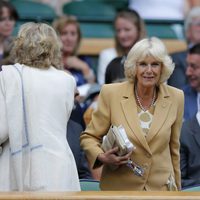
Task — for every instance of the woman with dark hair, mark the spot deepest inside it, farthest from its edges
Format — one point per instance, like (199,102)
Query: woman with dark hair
(8,17)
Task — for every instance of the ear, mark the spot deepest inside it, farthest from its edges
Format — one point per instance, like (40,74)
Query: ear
(188,35)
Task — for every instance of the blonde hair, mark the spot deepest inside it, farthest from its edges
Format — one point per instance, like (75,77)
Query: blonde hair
(37,45)
(148,47)
(60,23)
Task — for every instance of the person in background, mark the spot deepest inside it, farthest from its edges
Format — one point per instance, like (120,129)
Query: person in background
(69,31)
(91,102)
(192,90)
(150,112)
(74,130)
(129,28)
(36,100)
(160,10)
(192,34)
(191,4)
(115,70)
(8,17)
(190,149)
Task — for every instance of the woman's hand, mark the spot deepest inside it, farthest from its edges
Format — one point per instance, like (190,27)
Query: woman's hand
(111,158)
(74,62)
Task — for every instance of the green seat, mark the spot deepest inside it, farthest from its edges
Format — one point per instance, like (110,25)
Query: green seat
(89,185)
(33,11)
(192,189)
(97,30)
(17,27)
(92,11)
(168,29)
(117,4)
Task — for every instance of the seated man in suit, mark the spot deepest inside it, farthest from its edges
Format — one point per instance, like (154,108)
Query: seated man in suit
(74,128)
(192,32)
(190,149)
(192,90)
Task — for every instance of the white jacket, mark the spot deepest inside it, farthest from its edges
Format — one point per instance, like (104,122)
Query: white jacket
(37,156)
(105,57)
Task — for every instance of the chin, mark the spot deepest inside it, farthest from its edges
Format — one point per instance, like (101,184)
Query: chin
(148,85)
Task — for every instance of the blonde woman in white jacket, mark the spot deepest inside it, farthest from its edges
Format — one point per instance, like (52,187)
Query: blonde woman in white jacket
(36,99)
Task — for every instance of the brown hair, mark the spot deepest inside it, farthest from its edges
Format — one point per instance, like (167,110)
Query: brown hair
(12,11)
(60,23)
(134,17)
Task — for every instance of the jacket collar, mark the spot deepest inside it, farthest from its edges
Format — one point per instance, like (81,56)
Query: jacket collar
(129,108)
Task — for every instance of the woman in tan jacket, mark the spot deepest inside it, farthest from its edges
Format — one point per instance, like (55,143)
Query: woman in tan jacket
(150,112)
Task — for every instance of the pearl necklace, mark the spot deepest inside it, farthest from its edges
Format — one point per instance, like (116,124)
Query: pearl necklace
(140,104)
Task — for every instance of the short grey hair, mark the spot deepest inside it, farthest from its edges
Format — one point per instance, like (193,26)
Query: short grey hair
(194,12)
(148,47)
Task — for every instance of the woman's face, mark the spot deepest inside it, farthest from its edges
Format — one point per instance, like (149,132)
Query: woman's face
(69,38)
(148,71)
(127,33)
(6,23)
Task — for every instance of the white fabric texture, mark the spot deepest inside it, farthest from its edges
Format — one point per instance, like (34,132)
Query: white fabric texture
(157,9)
(105,57)
(198,117)
(198,101)
(37,156)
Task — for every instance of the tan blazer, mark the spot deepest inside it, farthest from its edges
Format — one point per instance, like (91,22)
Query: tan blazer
(158,153)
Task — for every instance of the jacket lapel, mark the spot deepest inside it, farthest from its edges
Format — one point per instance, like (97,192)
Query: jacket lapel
(161,111)
(129,108)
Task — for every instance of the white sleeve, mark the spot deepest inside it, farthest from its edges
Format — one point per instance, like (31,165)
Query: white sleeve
(104,59)
(3,114)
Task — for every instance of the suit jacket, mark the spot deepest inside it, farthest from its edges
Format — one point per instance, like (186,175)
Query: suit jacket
(190,108)
(178,78)
(158,153)
(190,149)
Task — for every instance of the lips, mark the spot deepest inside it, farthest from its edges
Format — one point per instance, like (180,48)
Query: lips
(148,77)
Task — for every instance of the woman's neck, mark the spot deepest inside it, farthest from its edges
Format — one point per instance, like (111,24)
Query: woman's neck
(145,97)
(1,47)
(65,54)
(2,40)
(145,92)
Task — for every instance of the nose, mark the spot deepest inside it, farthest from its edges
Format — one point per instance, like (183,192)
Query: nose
(149,68)
(121,34)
